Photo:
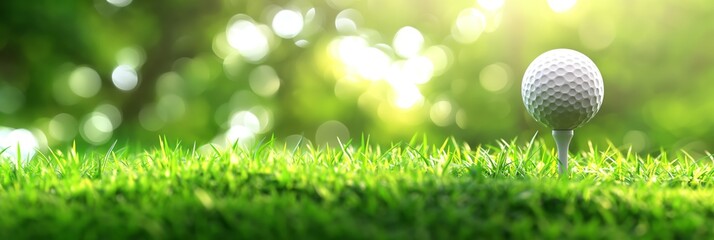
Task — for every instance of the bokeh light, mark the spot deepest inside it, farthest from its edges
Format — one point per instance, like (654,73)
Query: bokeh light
(359,58)
(120,3)
(406,95)
(287,23)
(112,113)
(491,5)
(265,118)
(264,81)
(441,58)
(347,20)
(417,70)
(17,142)
(244,126)
(495,77)
(124,77)
(134,57)
(408,42)
(441,113)
(469,25)
(248,38)
(560,6)
(247,120)
(96,128)
(332,133)
(85,82)
(294,141)
(387,70)
(63,127)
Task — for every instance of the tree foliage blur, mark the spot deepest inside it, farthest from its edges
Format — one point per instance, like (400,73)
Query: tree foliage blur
(239,70)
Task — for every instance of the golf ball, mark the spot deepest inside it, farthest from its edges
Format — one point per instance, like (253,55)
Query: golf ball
(562,89)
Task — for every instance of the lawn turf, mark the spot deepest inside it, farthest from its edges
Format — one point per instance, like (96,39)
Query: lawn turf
(356,191)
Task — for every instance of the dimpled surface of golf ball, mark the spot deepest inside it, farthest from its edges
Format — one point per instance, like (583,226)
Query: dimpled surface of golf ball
(562,89)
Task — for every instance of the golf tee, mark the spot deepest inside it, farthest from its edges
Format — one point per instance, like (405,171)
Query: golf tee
(562,142)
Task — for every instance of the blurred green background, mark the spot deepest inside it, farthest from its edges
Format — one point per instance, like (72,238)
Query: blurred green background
(239,70)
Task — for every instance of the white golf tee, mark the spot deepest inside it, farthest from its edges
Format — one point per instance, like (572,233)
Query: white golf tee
(562,142)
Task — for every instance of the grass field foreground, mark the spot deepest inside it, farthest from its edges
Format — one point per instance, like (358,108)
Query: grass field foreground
(358,190)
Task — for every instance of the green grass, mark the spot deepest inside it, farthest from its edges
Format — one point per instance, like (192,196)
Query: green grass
(408,191)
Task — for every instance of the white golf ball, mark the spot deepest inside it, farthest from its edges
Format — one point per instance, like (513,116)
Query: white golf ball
(562,89)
